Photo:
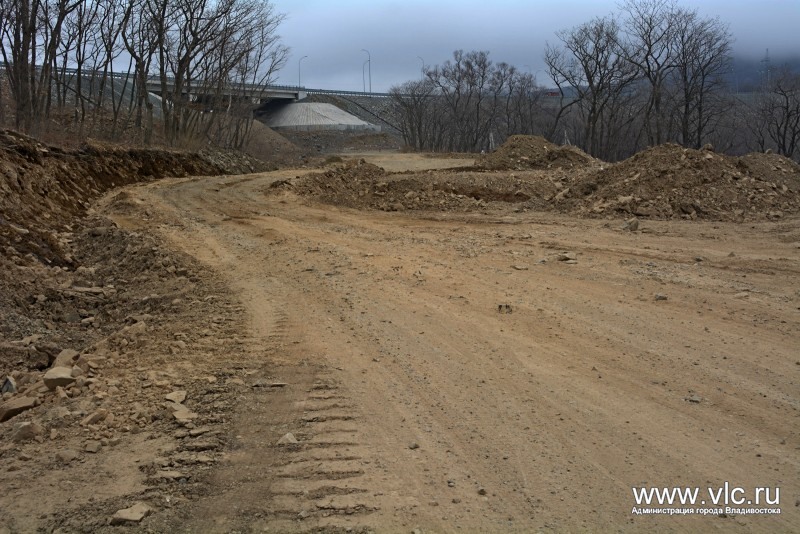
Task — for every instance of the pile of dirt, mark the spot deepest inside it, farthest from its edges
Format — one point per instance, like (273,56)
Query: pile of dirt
(664,182)
(521,152)
(43,188)
(669,181)
(269,146)
(361,185)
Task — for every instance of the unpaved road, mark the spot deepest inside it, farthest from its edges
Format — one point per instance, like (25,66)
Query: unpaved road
(417,404)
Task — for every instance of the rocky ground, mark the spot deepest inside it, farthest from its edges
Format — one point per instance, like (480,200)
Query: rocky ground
(392,343)
(99,400)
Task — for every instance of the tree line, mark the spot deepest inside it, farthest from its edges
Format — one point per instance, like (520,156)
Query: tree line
(91,61)
(651,73)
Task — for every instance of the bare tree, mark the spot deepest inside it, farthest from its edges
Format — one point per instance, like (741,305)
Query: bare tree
(416,106)
(589,65)
(236,69)
(473,89)
(650,46)
(702,58)
(776,115)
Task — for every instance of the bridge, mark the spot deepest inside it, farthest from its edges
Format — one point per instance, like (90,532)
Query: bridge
(257,93)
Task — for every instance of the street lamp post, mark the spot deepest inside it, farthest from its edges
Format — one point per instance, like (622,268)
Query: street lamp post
(298,71)
(369,61)
(363,77)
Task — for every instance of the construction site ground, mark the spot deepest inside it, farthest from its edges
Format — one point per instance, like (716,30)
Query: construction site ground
(288,364)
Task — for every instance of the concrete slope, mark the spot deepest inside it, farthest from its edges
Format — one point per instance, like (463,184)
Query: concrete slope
(315,116)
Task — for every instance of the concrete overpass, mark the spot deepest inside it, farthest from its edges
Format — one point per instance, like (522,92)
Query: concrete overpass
(257,94)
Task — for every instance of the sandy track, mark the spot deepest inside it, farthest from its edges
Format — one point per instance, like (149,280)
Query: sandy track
(417,404)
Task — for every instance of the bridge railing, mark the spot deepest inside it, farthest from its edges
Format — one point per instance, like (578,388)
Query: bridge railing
(254,87)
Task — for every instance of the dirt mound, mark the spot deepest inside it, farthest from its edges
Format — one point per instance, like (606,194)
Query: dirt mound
(669,181)
(358,184)
(664,182)
(42,188)
(267,145)
(533,152)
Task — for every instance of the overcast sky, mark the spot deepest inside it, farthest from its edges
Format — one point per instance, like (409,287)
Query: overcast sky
(397,33)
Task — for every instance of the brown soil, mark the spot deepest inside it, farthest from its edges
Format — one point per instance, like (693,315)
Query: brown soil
(665,182)
(521,152)
(443,369)
(43,188)
(669,181)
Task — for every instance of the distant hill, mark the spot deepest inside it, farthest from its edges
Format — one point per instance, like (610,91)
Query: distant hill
(748,74)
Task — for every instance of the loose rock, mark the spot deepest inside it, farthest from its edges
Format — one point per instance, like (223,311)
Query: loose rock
(134,514)
(177,396)
(287,438)
(15,407)
(93,446)
(66,456)
(631,225)
(58,376)
(27,431)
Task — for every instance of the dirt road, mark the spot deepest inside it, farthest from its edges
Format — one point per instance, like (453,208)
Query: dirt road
(450,372)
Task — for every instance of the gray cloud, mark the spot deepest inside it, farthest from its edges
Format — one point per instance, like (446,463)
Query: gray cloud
(332,34)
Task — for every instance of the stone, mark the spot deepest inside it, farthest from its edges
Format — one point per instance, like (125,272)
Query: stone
(169,475)
(89,362)
(66,456)
(414,446)
(659,296)
(26,432)
(481,491)
(183,414)
(631,225)
(520,267)
(95,417)
(77,371)
(200,446)
(58,376)
(66,358)
(16,406)
(134,514)
(176,396)
(567,256)
(9,385)
(287,438)
(93,446)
